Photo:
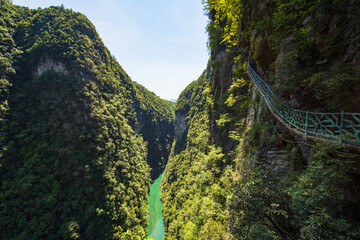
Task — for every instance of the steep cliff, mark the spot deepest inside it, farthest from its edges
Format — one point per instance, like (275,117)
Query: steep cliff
(155,122)
(76,133)
(193,200)
(249,177)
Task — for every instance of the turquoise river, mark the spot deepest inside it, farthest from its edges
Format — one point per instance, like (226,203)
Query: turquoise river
(156,222)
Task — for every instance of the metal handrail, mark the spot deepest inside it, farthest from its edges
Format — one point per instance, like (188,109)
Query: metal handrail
(344,126)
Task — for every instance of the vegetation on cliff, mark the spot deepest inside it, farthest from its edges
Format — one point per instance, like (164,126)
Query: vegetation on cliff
(77,136)
(74,131)
(193,183)
(199,174)
(309,47)
(238,168)
(155,122)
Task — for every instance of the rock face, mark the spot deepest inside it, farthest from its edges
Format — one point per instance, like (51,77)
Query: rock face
(279,161)
(221,79)
(159,136)
(263,55)
(281,185)
(180,125)
(155,122)
(49,64)
(181,130)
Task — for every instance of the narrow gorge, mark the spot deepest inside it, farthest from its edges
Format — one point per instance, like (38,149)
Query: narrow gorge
(265,144)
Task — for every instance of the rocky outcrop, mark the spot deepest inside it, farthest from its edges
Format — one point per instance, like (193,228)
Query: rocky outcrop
(47,64)
(180,125)
(155,123)
(159,137)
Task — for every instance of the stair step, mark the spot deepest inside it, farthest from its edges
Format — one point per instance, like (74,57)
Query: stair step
(280,152)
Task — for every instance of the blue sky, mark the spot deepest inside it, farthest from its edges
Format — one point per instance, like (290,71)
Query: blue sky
(161,44)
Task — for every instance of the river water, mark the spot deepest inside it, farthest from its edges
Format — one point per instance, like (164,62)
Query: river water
(156,222)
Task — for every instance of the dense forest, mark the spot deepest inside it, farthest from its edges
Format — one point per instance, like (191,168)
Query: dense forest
(77,136)
(80,142)
(235,172)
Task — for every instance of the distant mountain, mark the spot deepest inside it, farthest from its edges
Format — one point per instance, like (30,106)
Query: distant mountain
(173,100)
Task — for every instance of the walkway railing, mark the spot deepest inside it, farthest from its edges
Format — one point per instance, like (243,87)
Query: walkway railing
(342,127)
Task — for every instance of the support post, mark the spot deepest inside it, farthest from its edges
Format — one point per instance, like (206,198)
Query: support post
(306,122)
(341,126)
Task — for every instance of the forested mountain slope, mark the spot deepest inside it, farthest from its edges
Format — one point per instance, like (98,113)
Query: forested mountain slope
(155,122)
(76,133)
(235,172)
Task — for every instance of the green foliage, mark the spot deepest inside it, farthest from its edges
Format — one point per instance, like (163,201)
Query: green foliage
(225,17)
(152,104)
(297,205)
(192,95)
(191,101)
(8,53)
(305,43)
(238,99)
(333,87)
(286,18)
(72,231)
(128,235)
(215,31)
(317,194)
(156,117)
(72,165)
(79,161)
(194,179)
(231,108)
(258,209)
